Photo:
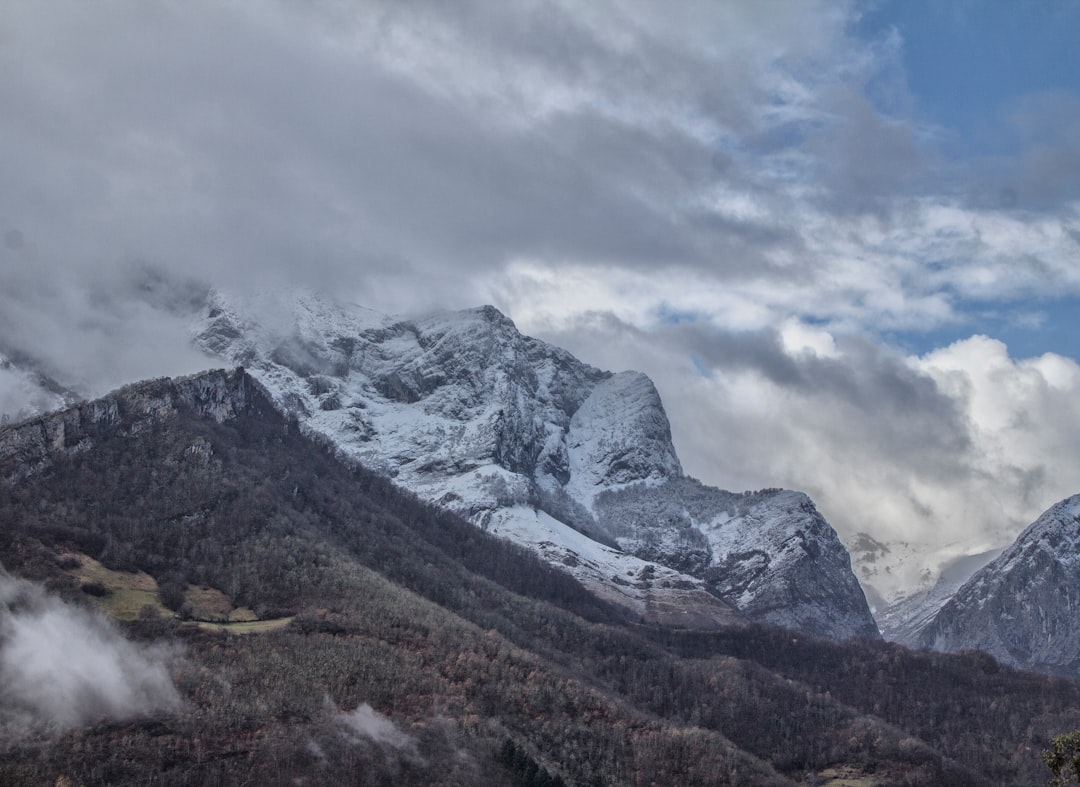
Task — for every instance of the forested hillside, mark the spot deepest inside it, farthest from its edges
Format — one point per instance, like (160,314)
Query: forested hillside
(403,645)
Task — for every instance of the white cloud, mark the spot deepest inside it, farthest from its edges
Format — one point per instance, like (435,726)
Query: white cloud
(364,722)
(21,395)
(62,667)
(1024,420)
(796,337)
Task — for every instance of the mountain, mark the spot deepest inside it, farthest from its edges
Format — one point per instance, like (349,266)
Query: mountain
(1021,608)
(905,620)
(398,646)
(526,441)
(903,592)
(322,625)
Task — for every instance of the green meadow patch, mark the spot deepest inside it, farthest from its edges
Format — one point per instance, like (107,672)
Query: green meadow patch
(128,595)
(125,595)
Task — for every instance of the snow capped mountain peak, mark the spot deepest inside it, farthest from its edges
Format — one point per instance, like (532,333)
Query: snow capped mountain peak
(524,439)
(267,318)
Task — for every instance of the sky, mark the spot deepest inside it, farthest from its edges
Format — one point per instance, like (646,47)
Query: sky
(843,238)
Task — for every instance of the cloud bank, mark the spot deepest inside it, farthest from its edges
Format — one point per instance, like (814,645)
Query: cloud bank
(744,200)
(366,723)
(62,667)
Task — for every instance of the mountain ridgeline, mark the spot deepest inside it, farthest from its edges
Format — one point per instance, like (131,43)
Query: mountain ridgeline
(527,442)
(402,644)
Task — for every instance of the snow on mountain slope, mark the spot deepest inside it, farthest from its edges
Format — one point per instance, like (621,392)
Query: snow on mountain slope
(904,620)
(1021,608)
(653,591)
(770,553)
(620,435)
(519,436)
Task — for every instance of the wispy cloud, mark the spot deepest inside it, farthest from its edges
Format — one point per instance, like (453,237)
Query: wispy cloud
(62,667)
(366,723)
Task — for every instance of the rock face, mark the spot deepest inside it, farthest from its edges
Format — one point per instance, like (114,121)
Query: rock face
(525,440)
(770,552)
(1022,607)
(30,445)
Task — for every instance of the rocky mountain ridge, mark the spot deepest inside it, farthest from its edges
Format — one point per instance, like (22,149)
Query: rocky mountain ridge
(526,441)
(28,446)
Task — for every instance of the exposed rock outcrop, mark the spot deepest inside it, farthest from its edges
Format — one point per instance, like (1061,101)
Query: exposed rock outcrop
(28,446)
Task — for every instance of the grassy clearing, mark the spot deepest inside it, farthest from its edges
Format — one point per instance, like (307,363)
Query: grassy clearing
(211,606)
(127,593)
(845,777)
(246,627)
(208,604)
(243,615)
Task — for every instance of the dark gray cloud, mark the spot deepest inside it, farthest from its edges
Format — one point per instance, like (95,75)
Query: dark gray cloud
(1040,169)
(360,146)
(868,160)
(239,143)
(87,332)
(279,146)
(1048,126)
